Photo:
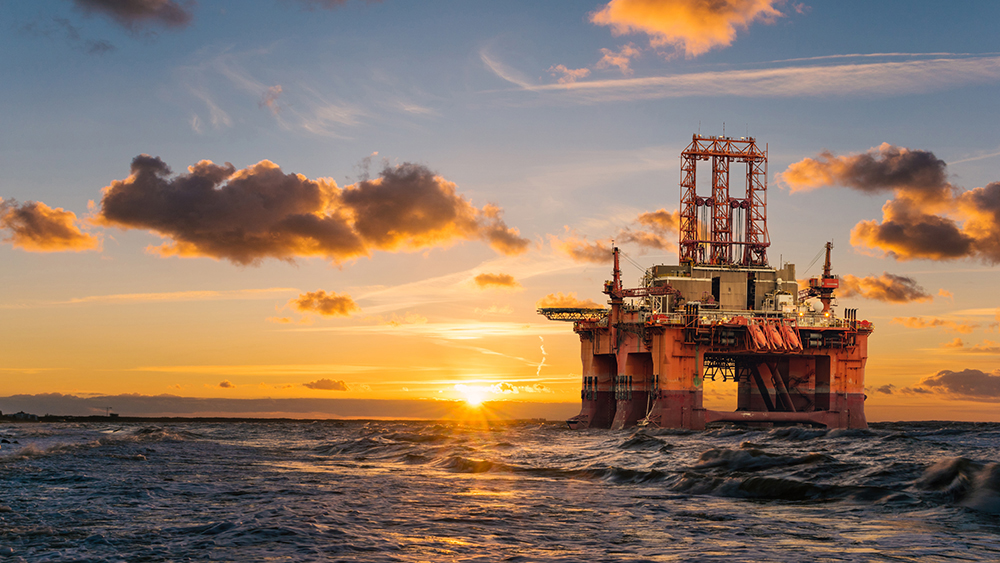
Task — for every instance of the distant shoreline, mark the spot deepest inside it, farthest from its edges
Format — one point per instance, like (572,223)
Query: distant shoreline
(227,419)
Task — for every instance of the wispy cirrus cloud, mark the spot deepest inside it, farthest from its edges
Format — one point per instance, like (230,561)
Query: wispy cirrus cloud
(173,296)
(885,78)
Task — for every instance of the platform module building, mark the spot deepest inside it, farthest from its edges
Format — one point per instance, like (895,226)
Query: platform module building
(721,313)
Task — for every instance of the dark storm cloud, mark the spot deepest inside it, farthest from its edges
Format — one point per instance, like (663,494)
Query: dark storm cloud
(326,385)
(36,227)
(928,218)
(906,233)
(887,287)
(968,383)
(408,206)
(134,13)
(260,212)
(882,169)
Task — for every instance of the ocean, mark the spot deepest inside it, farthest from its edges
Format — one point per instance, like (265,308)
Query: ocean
(496,491)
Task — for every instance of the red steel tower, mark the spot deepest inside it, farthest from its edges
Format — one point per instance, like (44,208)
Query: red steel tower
(721,213)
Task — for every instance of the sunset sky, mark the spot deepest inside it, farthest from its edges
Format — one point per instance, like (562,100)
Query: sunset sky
(305,199)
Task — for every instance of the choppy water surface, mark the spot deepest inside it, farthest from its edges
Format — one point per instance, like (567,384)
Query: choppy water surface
(425,491)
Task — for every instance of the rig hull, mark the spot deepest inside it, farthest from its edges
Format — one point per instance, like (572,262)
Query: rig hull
(652,372)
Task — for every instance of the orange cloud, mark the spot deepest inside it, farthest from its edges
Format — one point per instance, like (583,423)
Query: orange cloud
(622,59)
(581,250)
(568,75)
(946,294)
(558,300)
(323,303)
(661,224)
(920,322)
(887,287)
(226,384)
(694,26)
(505,281)
(954,344)
(260,212)
(36,227)
(987,347)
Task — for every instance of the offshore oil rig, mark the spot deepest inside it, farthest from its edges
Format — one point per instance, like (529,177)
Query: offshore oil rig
(721,312)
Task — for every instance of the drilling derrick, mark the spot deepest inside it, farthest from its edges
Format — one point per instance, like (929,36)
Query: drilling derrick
(721,311)
(747,215)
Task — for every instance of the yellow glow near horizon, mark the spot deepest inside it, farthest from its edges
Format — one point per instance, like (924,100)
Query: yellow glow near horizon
(473,396)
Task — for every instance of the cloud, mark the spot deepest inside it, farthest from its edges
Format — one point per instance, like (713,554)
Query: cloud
(36,227)
(915,391)
(660,224)
(887,389)
(326,385)
(889,78)
(205,295)
(259,212)
(967,384)
(63,27)
(507,388)
(946,294)
(568,301)
(917,173)
(408,318)
(568,75)
(987,347)
(692,26)
(581,250)
(927,218)
(655,229)
(954,344)
(920,322)
(131,14)
(505,281)
(226,384)
(621,59)
(270,99)
(323,303)
(887,287)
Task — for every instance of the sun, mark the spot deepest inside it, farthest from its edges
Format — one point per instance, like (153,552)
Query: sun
(473,396)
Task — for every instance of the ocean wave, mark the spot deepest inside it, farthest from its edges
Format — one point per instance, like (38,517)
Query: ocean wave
(965,482)
(752,459)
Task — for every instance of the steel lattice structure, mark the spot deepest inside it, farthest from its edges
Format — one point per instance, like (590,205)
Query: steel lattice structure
(717,234)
